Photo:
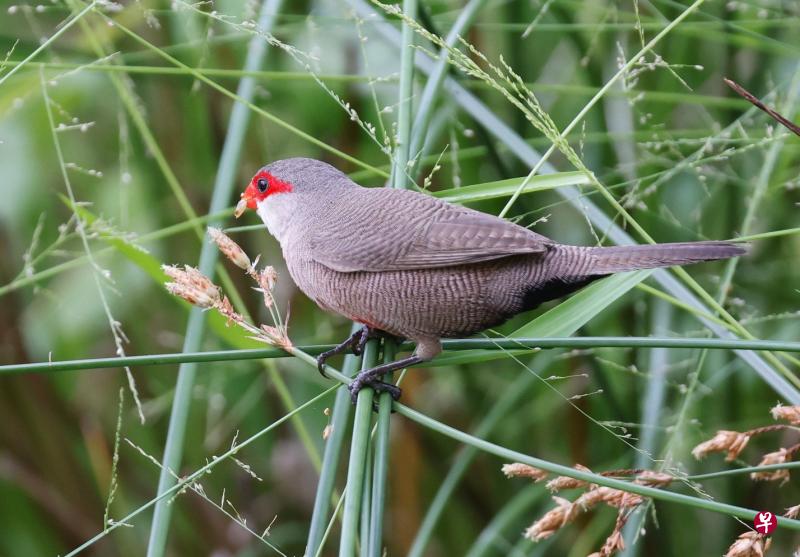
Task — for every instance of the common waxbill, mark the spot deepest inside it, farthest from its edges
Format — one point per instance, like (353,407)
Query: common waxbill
(408,264)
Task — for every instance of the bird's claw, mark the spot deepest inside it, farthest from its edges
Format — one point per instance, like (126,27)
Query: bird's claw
(321,364)
(377,386)
(354,342)
(360,341)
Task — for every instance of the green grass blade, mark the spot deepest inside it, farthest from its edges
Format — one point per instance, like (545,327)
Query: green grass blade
(380,466)
(356,467)
(503,345)
(505,188)
(509,455)
(465,457)
(223,189)
(564,319)
(330,460)
(434,84)
(524,152)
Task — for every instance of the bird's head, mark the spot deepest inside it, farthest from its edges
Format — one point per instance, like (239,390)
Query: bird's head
(290,176)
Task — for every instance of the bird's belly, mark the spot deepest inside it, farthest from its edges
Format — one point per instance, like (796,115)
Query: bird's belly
(444,302)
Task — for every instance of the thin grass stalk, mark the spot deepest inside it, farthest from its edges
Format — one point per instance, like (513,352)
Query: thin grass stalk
(650,411)
(200,472)
(744,470)
(561,470)
(248,103)
(134,111)
(24,280)
(366,505)
(337,511)
(478,110)
(459,436)
(406,92)
(271,75)
(49,41)
(762,183)
(223,188)
(375,493)
(436,79)
(450,345)
(356,467)
(625,68)
(467,454)
(380,467)
(330,459)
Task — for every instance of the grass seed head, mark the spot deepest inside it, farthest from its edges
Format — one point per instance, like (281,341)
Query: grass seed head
(749,544)
(789,414)
(565,482)
(192,285)
(610,496)
(564,513)
(732,442)
(519,470)
(654,479)
(229,248)
(781,456)
(612,545)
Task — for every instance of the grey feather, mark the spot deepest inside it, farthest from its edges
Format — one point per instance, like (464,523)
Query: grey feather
(408,230)
(420,268)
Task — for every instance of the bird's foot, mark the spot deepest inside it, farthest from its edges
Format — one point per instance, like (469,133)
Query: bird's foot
(377,386)
(371,378)
(354,342)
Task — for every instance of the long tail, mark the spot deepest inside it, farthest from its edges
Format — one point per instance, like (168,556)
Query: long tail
(617,259)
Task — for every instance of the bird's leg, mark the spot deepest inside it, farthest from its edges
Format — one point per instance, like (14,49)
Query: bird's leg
(371,378)
(354,342)
(427,349)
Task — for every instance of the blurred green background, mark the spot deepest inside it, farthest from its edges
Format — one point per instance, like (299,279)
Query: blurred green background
(685,155)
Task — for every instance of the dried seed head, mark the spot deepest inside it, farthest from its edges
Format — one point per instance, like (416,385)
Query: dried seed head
(731,441)
(790,414)
(172,271)
(276,336)
(654,479)
(190,277)
(229,248)
(267,278)
(749,544)
(610,496)
(613,544)
(191,285)
(191,295)
(564,513)
(519,470)
(565,482)
(225,308)
(780,456)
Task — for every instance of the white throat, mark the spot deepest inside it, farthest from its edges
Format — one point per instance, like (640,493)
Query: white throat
(276,213)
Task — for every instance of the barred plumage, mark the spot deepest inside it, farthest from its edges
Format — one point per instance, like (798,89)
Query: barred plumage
(417,267)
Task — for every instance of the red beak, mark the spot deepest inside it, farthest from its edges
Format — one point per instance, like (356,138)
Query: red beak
(248,201)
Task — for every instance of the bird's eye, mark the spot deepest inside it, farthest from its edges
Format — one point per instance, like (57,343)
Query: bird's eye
(263,184)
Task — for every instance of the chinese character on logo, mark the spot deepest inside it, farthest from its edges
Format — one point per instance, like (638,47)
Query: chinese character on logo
(765,522)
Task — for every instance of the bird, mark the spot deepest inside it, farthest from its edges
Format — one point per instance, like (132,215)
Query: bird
(406,264)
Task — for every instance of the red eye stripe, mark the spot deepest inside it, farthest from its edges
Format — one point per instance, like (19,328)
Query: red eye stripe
(275,185)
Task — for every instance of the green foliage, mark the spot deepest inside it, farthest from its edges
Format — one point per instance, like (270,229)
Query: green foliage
(641,137)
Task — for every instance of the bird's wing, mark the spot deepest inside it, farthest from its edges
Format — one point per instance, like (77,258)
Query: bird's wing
(386,230)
